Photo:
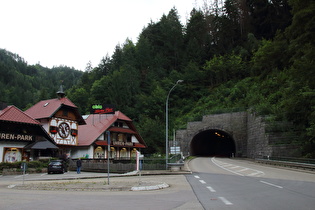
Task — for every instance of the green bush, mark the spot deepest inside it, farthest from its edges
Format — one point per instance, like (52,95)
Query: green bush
(4,165)
(38,165)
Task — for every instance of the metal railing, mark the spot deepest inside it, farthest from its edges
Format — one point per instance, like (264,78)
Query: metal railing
(118,165)
(299,163)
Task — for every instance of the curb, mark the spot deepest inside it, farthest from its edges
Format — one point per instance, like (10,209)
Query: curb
(153,187)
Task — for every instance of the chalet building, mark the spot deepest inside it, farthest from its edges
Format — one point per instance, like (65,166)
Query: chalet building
(55,128)
(78,136)
(61,119)
(22,137)
(93,137)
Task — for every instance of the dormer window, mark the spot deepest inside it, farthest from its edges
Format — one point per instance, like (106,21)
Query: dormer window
(118,124)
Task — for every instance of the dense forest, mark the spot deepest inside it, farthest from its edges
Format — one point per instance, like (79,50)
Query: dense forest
(24,85)
(243,55)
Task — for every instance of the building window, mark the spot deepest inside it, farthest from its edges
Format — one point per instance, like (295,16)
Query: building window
(118,124)
(123,153)
(114,136)
(128,137)
(99,152)
(121,137)
(65,113)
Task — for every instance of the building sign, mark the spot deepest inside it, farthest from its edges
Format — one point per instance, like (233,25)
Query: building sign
(17,137)
(121,143)
(103,109)
(175,150)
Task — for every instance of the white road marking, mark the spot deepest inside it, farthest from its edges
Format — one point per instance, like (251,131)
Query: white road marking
(197,177)
(225,201)
(21,176)
(254,173)
(244,169)
(231,167)
(202,181)
(211,189)
(271,184)
(212,159)
(226,164)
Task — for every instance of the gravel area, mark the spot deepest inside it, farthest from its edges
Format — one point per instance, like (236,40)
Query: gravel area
(87,185)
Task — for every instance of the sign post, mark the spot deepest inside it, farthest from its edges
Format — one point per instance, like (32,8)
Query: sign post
(139,164)
(23,167)
(108,151)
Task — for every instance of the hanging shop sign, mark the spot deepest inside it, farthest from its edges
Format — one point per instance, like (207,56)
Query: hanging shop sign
(17,137)
(102,109)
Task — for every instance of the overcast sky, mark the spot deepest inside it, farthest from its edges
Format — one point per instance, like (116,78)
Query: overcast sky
(74,32)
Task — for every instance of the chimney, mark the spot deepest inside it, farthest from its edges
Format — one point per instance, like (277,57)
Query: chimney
(60,93)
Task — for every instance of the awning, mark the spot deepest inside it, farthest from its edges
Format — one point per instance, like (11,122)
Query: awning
(139,145)
(101,143)
(43,144)
(121,130)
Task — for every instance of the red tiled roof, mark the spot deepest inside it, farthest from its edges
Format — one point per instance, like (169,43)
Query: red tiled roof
(13,114)
(97,124)
(46,108)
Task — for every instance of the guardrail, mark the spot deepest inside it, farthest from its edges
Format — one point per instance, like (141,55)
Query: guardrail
(299,163)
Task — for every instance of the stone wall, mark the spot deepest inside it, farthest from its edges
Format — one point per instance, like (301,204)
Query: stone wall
(247,130)
(257,141)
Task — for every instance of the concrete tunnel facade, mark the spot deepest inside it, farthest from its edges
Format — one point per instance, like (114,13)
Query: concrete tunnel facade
(216,135)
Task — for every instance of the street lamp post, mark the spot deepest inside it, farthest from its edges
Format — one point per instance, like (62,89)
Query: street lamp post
(166,121)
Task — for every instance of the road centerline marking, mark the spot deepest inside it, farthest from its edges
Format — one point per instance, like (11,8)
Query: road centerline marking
(202,181)
(211,189)
(274,185)
(225,201)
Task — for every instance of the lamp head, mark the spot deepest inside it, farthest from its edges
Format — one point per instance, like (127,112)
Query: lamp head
(179,81)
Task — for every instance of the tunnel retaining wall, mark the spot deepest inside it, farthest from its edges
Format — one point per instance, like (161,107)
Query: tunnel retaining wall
(247,130)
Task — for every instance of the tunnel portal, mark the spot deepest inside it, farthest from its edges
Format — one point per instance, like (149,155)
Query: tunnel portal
(212,143)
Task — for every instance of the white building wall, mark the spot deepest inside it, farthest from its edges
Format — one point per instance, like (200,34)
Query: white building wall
(134,139)
(80,152)
(45,124)
(101,137)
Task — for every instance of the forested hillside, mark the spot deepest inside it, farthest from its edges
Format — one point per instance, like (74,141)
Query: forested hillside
(255,55)
(24,85)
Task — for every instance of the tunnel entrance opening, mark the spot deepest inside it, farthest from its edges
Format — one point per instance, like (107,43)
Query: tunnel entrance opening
(212,143)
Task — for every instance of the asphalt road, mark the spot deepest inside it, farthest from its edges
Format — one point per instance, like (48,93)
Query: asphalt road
(238,184)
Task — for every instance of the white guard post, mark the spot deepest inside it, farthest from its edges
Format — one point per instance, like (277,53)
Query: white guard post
(138,160)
